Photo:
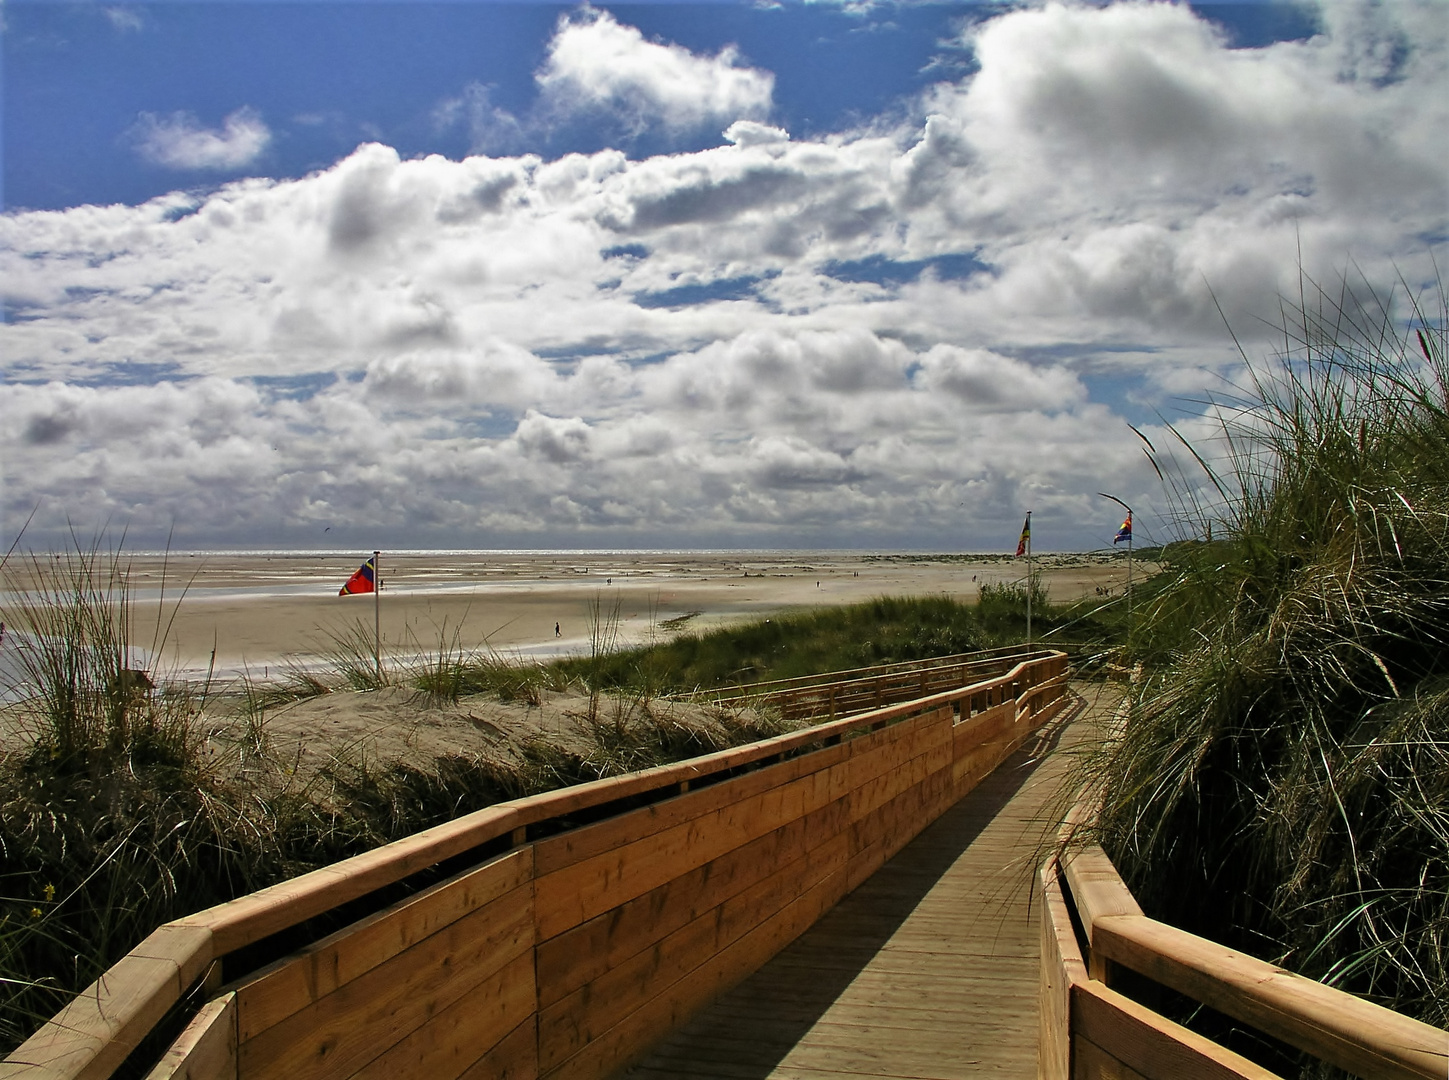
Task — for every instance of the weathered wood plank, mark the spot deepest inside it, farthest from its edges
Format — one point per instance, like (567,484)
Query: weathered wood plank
(450,1041)
(577,956)
(515,1058)
(342,1032)
(1343,1030)
(617,1046)
(1061,966)
(206,1049)
(565,1027)
(106,1021)
(572,847)
(1150,1044)
(1094,1063)
(294,982)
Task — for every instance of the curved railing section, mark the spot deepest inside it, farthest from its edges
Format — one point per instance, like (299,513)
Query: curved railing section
(841,693)
(1090,1031)
(577,927)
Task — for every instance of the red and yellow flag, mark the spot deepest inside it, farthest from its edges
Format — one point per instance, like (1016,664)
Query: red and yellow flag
(364,581)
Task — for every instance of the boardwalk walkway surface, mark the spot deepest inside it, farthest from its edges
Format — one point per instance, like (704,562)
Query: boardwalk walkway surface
(928,971)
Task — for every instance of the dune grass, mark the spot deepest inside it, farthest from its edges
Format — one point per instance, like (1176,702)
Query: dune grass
(109,822)
(1282,783)
(884,630)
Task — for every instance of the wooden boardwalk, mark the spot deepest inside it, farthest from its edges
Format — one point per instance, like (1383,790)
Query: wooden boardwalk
(928,971)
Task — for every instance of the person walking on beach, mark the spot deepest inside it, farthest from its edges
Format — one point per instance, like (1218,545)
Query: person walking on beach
(557,631)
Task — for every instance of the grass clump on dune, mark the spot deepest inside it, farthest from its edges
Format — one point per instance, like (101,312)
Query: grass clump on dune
(880,631)
(1282,782)
(109,821)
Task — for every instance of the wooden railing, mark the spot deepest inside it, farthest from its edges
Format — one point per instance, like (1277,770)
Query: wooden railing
(1089,1031)
(561,949)
(841,693)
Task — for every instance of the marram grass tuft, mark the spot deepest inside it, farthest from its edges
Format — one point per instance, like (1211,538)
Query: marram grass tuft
(1282,781)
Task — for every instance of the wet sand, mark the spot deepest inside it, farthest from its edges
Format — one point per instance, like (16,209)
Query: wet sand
(261,610)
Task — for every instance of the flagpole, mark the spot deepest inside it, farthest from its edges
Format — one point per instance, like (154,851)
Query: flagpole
(1129,578)
(377,614)
(1130,532)
(1028,589)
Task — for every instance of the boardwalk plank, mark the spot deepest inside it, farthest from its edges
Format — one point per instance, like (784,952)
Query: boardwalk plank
(927,971)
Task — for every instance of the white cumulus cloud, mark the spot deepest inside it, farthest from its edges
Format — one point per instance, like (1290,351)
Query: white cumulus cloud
(597,63)
(124,18)
(179,141)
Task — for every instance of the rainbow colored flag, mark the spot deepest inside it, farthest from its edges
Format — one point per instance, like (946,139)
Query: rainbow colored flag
(1025,541)
(1125,532)
(363,581)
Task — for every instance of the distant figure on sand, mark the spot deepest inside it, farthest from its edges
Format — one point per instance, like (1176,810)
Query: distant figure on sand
(556,631)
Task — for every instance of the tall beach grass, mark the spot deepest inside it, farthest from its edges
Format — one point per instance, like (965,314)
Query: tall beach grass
(1282,781)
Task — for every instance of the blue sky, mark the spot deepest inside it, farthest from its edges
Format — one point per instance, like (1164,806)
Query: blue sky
(789,274)
(326,76)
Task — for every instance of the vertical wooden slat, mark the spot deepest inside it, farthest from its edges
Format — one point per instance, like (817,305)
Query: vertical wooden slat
(206,1049)
(1061,966)
(1150,1044)
(93,1034)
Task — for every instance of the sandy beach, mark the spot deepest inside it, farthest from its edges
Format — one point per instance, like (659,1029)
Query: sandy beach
(259,610)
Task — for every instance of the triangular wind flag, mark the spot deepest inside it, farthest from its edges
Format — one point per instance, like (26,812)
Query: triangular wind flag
(1025,537)
(1125,532)
(364,581)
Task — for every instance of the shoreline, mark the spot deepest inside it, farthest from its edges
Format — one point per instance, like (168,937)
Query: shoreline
(247,613)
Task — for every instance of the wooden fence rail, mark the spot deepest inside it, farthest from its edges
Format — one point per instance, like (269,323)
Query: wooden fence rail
(581,944)
(797,682)
(1091,1032)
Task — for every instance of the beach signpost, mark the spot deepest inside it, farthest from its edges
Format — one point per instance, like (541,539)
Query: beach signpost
(367,580)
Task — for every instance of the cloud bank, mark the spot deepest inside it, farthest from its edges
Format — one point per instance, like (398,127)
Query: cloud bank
(904,334)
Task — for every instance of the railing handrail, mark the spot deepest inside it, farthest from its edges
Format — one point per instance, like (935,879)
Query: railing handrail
(907,674)
(114,1013)
(1335,1026)
(847,675)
